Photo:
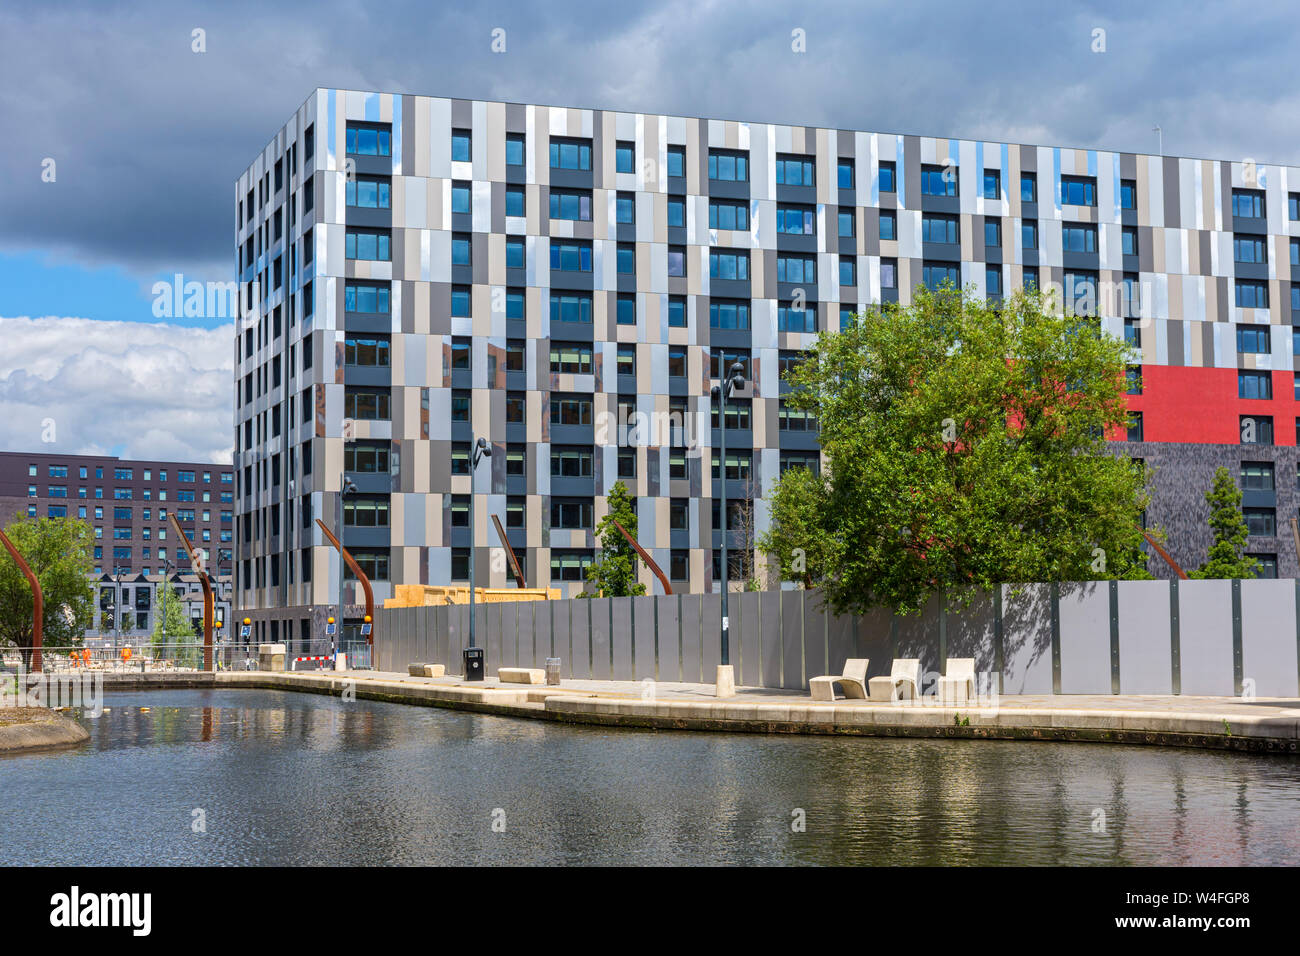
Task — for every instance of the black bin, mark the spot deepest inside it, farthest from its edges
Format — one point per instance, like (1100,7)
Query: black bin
(474,663)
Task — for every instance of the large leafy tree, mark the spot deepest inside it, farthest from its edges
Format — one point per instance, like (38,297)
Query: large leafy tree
(1226,557)
(59,551)
(965,448)
(614,573)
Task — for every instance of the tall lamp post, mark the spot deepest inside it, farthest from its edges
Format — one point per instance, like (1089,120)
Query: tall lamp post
(346,487)
(474,671)
(726,679)
(117,608)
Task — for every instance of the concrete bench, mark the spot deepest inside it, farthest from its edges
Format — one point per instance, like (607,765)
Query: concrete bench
(904,674)
(853,681)
(426,670)
(957,686)
(521,675)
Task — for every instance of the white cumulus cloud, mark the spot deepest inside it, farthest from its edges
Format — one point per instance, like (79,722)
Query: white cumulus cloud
(139,390)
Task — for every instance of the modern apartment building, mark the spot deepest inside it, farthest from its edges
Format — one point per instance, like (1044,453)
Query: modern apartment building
(128,605)
(127,504)
(566,283)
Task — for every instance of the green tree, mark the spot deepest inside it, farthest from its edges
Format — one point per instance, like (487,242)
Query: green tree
(172,626)
(59,551)
(614,573)
(965,448)
(1226,557)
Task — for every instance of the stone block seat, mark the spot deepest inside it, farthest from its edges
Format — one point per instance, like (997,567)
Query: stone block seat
(853,682)
(904,674)
(521,675)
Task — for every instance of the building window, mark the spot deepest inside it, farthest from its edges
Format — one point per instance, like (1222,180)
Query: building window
(516,408)
(369,245)
(728,165)
(368,140)
(1256,429)
(1078,238)
(570,462)
(679,564)
(461,250)
(793,268)
(570,358)
(790,318)
(365,512)
(794,171)
(728,265)
(888,225)
(1029,187)
(515,149)
(571,204)
(1253,339)
(844,174)
(515,201)
(992,233)
(848,271)
(626,259)
(516,461)
(372,299)
(571,514)
(571,410)
(796,220)
(1266,565)
(571,308)
(1254,384)
(727,214)
(677,161)
(1135,426)
(676,212)
(677,312)
(515,254)
(888,177)
(462,199)
(570,256)
(369,351)
(627,463)
(1127,194)
(1257,476)
(728,314)
(625,157)
(847,228)
(1133,379)
(460,405)
(366,403)
(889,273)
(1249,249)
(367,192)
(993,280)
(461,301)
(626,310)
(570,565)
(1260,522)
(1248,203)
(992,184)
(1130,240)
(1029,235)
(1078,191)
(933,276)
(938,181)
(571,154)
(939,229)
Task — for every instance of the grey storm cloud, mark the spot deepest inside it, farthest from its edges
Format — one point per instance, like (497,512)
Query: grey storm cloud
(148,136)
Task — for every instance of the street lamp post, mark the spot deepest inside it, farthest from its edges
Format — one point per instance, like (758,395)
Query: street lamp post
(480,451)
(725,681)
(346,487)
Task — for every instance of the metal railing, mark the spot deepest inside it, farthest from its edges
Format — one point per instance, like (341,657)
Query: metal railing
(139,658)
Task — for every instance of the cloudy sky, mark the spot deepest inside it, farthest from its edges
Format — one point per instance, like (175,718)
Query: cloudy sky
(147,136)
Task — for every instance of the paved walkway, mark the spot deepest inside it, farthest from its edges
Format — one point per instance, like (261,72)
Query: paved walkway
(1262,724)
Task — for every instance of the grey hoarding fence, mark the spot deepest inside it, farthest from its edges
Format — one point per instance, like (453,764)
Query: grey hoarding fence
(1098,637)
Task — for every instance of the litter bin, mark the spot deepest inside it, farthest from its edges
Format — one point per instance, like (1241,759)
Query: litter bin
(474,663)
(553,671)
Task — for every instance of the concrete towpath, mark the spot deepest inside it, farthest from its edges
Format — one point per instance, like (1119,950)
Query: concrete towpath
(1263,725)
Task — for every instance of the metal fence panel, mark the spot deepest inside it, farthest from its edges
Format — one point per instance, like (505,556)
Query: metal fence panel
(748,637)
(692,648)
(874,640)
(771,653)
(670,638)
(918,637)
(841,641)
(1268,645)
(645,663)
(620,637)
(1145,659)
(1027,640)
(711,636)
(971,632)
(793,639)
(1205,637)
(816,636)
(1085,638)
(601,662)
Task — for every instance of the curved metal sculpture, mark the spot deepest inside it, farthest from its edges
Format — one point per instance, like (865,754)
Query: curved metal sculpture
(38,600)
(510,553)
(361,576)
(649,561)
(1165,554)
(197,565)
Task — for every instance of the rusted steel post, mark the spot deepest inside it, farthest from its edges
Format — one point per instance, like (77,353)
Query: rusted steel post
(1165,554)
(650,562)
(510,552)
(361,576)
(196,563)
(38,600)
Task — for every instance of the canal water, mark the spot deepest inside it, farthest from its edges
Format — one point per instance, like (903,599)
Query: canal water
(256,777)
